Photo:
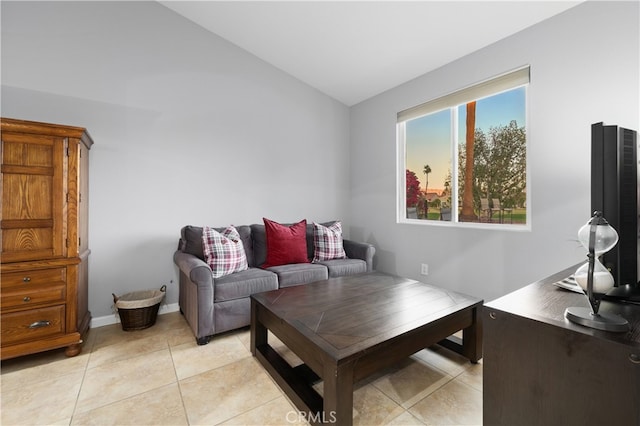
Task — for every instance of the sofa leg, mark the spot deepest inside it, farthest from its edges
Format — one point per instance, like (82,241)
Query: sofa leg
(202,340)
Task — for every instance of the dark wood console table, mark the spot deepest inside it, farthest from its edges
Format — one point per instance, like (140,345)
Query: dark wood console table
(541,369)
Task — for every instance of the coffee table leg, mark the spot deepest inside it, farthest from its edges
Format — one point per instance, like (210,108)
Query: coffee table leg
(472,337)
(338,394)
(258,331)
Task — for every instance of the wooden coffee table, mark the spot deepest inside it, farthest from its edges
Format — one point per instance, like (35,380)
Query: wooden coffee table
(344,329)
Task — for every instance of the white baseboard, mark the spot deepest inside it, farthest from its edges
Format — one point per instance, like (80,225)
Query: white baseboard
(115,318)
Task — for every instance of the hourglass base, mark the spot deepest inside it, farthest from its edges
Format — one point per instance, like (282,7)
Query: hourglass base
(600,321)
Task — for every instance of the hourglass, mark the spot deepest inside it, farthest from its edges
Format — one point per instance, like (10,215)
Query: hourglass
(598,237)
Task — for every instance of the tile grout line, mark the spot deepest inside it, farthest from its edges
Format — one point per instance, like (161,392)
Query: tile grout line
(84,375)
(112,362)
(175,372)
(172,341)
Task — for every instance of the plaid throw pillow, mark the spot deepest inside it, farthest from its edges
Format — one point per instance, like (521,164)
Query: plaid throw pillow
(223,252)
(327,242)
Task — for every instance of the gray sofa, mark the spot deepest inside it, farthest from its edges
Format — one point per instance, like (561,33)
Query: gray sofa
(215,305)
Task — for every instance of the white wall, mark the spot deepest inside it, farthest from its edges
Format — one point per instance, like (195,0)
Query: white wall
(584,69)
(188,129)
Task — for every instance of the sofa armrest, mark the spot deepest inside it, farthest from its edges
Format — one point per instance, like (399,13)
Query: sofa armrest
(358,250)
(196,294)
(195,269)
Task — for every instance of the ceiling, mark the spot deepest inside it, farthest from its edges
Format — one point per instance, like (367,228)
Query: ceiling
(353,50)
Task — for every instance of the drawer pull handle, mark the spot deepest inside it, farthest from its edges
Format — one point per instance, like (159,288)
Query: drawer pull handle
(26,299)
(492,315)
(26,279)
(634,358)
(40,324)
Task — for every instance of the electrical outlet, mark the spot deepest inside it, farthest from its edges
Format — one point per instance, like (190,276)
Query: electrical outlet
(424,270)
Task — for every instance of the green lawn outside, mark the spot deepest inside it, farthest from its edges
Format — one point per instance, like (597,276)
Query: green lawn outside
(518,216)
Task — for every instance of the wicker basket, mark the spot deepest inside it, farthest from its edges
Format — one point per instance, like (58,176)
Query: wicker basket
(139,309)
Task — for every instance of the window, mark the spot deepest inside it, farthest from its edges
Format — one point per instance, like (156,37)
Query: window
(462,157)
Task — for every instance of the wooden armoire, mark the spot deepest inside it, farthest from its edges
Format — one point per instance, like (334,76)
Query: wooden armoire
(44,230)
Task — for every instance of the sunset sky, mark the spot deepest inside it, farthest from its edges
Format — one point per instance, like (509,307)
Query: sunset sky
(428,139)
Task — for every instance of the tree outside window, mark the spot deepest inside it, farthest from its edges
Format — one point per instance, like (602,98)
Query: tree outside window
(472,156)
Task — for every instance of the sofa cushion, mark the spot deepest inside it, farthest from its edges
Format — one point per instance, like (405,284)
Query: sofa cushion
(223,251)
(243,284)
(327,242)
(191,241)
(285,244)
(259,240)
(299,273)
(344,267)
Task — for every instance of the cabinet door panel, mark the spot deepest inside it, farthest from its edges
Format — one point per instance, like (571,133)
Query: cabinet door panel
(34,197)
(31,194)
(539,374)
(27,150)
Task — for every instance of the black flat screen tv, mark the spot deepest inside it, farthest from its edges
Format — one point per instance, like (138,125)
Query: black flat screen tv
(614,192)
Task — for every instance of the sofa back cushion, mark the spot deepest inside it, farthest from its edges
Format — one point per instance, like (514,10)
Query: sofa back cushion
(259,237)
(191,241)
(253,238)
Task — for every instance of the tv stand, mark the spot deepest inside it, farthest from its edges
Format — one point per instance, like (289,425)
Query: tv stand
(541,369)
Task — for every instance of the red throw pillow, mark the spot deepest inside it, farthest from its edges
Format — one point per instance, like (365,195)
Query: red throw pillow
(285,244)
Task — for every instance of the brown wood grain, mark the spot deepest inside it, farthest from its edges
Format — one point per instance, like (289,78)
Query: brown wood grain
(346,328)
(541,369)
(44,226)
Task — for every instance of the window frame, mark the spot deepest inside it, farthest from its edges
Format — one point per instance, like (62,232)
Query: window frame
(520,77)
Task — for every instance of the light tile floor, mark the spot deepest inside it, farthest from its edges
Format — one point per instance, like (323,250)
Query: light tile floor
(159,376)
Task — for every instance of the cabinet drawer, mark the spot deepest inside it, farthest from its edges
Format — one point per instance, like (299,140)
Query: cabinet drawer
(32,324)
(33,295)
(36,277)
